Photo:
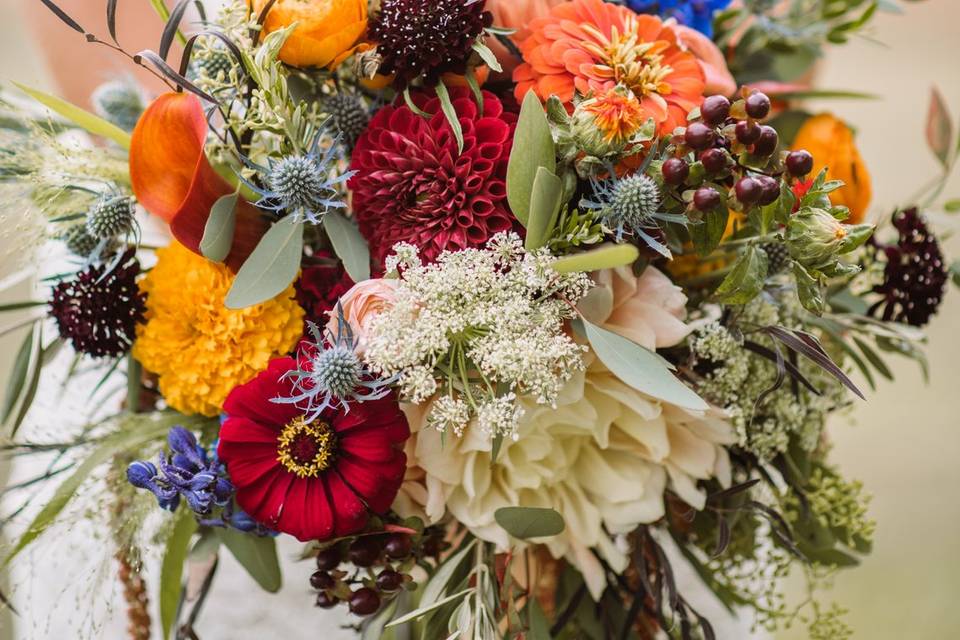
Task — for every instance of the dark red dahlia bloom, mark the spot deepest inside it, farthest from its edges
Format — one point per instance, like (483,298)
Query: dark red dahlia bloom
(99,312)
(314,480)
(915,274)
(426,37)
(319,288)
(412,185)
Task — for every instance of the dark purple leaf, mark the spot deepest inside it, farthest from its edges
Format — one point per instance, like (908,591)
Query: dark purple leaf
(60,13)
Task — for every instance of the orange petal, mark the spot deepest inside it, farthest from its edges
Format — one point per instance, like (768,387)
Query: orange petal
(173,180)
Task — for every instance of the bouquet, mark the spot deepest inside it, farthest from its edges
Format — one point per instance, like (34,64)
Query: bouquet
(504,309)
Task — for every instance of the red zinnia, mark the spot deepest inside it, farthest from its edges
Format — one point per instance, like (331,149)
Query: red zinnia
(313,480)
(412,185)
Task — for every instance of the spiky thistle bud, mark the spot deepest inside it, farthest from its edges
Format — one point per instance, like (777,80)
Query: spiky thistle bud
(337,370)
(111,216)
(348,115)
(119,101)
(213,63)
(297,181)
(634,202)
(79,241)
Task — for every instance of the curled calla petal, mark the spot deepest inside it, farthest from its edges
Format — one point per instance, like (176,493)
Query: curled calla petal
(173,180)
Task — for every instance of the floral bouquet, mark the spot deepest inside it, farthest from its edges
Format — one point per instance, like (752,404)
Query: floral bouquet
(504,309)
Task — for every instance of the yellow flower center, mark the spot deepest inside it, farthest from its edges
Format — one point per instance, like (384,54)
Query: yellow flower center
(638,65)
(306,448)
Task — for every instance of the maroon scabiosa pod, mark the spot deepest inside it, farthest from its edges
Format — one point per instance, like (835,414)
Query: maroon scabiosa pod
(98,309)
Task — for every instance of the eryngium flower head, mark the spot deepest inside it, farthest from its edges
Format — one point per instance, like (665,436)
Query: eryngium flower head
(348,115)
(111,216)
(915,274)
(98,311)
(79,241)
(426,38)
(120,102)
(303,185)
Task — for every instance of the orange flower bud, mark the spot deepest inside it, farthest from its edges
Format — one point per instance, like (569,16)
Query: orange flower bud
(326,33)
(830,141)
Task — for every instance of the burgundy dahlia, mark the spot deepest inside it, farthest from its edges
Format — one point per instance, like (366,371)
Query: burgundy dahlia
(427,37)
(915,274)
(99,312)
(320,287)
(412,185)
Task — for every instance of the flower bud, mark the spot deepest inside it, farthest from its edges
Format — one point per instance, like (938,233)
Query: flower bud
(815,239)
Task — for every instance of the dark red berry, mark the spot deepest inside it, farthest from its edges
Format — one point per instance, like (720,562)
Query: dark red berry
(747,132)
(715,110)
(328,559)
(389,580)
(364,551)
(757,105)
(767,143)
(706,199)
(769,190)
(714,160)
(748,190)
(675,170)
(322,580)
(699,136)
(398,546)
(364,601)
(326,601)
(799,163)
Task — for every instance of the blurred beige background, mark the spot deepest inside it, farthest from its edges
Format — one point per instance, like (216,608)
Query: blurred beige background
(905,441)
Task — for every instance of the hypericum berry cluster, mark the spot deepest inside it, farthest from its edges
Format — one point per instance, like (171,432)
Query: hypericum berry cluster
(381,566)
(732,148)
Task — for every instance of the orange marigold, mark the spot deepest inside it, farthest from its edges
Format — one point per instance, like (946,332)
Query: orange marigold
(200,349)
(590,46)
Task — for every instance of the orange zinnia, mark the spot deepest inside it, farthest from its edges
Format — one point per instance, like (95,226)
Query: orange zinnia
(590,46)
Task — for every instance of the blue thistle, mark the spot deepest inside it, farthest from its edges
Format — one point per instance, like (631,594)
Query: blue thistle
(697,14)
(331,374)
(302,185)
(631,205)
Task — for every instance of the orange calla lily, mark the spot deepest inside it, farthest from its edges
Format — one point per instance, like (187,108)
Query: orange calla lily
(173,180)
(830,141)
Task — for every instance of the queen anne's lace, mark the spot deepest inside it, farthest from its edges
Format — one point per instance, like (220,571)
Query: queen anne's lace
(478,326)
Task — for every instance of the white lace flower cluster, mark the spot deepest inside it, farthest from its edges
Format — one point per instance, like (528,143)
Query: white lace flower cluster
(478,327)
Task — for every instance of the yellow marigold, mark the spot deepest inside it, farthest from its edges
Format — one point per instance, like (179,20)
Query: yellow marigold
(200,349)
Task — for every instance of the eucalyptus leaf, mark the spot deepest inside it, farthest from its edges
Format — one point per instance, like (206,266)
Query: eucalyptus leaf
(218,231)
(607,256)
(256,554)
(545,203)
(533,147)
(641,368)
(171,569)
(450,113)
(746,279)
(82,118)
(349,245)
(530,522)
(271,267)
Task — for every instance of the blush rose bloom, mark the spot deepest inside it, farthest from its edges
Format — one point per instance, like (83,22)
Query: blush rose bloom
(361,304)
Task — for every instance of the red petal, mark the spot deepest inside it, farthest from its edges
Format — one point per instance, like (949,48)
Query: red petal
(377,483)
(351,515)
(253,399)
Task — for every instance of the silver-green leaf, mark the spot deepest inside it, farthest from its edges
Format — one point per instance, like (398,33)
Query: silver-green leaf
(271,267)
(529,522)
(544,207)
(640,368)
(349,245)
(171,569)
(608,256)
(258,555)
(218,231)
(533,147)
(450,113)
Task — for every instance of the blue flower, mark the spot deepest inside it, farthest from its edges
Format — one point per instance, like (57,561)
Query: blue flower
(697,14)
(330,374)
(185,472)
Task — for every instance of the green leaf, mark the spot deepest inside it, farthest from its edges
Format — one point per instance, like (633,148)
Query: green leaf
(424,610)
(952,206)
(488,57)
(218,231)
(439,580)
(171,570)
(824,94)
(874,358)
(707,236)
(258,555)
(271,267)
(128,440)
(450,113)
(529,522)
(641,368)
(349,245)
(18,375)
(607,256)
(538,626)
(373,628)
(955,273)
(533,148)
(84,119)
(745,281)
(939,128)
(544,207)
(808,289)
